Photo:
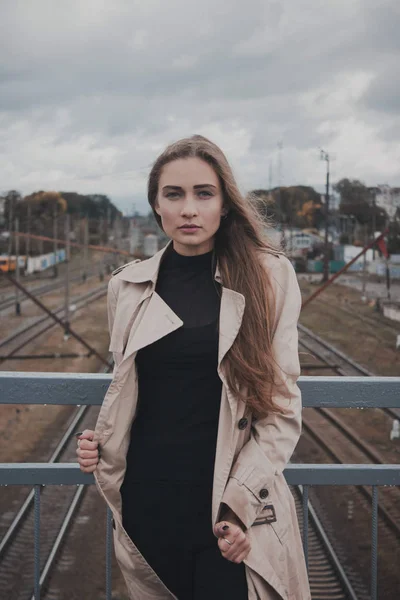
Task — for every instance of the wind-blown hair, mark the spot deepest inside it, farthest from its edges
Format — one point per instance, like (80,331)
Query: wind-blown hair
(240,243)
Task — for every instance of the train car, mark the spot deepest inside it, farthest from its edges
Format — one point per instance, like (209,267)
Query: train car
(8,264)
(36,264)
(31,264)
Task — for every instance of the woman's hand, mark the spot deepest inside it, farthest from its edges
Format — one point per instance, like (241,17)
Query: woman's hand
(232,541)
(87,451)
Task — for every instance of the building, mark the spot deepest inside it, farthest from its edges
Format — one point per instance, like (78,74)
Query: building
(2,210)
(388,198)
(298,242)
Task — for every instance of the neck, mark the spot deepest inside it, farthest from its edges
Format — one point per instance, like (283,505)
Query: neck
(184,250)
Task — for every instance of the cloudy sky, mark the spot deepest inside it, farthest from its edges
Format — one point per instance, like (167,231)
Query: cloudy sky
(92,90)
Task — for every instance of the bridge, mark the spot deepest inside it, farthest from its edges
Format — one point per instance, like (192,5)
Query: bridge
(46,519)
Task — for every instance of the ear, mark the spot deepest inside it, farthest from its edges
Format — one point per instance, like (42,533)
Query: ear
(157,209)
(224,211)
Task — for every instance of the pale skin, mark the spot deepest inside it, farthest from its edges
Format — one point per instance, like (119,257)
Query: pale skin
(189,193)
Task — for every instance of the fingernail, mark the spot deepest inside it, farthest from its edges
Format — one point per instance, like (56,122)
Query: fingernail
(225,527)
(78,433)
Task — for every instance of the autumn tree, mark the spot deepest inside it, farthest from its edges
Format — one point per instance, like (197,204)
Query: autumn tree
(310,212)
(285,205)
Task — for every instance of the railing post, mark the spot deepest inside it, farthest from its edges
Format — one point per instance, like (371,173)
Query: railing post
(109,522)
(374,550)
(305,523)
(36,543)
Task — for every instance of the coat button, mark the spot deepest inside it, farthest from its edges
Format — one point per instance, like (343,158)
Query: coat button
(264,493)
(243,423)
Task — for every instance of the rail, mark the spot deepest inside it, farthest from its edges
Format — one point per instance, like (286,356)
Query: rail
(89,389)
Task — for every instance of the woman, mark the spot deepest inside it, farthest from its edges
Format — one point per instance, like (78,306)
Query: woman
(203,412)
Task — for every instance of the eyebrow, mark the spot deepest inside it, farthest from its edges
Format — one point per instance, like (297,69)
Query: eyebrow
(201,185)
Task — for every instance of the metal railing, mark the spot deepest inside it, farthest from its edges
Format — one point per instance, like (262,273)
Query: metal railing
(89,389)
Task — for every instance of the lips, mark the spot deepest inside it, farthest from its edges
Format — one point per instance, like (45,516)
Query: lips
(189,227)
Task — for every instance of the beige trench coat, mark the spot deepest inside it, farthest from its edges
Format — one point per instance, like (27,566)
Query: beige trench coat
(249,462)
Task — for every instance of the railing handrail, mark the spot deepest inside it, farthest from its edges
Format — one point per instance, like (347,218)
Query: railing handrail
(90,388)
(295,474)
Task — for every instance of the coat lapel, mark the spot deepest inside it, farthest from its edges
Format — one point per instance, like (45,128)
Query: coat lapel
(230,320)
(231,316)
(153,319)
(157,321)
(128,308)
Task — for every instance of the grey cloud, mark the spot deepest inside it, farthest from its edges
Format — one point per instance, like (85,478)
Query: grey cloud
(131,75)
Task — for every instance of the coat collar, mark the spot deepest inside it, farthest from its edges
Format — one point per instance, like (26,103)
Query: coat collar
(147,270)
(232,302)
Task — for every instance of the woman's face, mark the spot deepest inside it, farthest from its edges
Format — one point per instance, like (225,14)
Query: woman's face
(190,204)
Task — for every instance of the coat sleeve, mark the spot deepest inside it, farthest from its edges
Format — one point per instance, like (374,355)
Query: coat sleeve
(273,438)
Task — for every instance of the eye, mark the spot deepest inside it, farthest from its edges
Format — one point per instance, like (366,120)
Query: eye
(208,194)
(172,194)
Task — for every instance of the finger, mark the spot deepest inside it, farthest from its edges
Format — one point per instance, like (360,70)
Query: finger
(242,556)
(231,548)
(221,528)
(233,534)
(235,555)
(88,462)
(88,469)
(239,559)
(87,453)
(87,434)
(227,530)
(86,445)
(239,550)
(224,548)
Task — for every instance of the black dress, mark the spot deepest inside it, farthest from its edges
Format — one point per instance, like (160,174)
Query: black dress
(167,489)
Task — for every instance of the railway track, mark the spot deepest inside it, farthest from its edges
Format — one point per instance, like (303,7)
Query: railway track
(343,443)
(335,360)
(59,504)
(327,578)
(14,343)
(47,274)
(42,290)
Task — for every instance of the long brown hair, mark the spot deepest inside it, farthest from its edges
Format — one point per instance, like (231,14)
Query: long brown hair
(249,364)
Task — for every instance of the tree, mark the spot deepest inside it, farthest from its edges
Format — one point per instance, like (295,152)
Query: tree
(356,199)
(309,212)
(285,205)
(42,204)
(393,238)
(12,199)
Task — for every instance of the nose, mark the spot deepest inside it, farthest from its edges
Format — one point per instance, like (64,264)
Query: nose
(189,208)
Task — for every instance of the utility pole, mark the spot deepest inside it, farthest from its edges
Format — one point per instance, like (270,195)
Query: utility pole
(283,239)
(28,231)
(103,258)
(67,259)
(373,222)
(10,226)
(55,248)
(85,248)
(17,302)
(387,263)
(325,157)
(364,275)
